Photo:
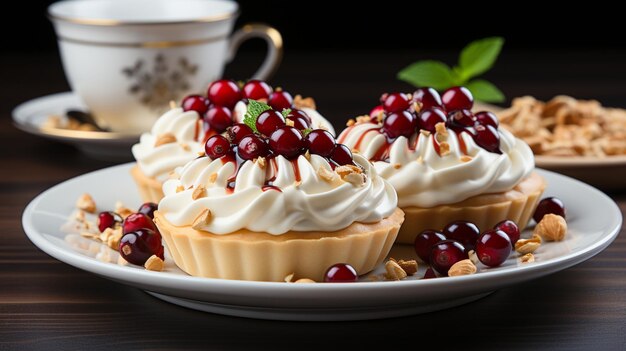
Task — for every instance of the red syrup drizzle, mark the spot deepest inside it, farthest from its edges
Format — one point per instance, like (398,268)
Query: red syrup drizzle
(231,181)
(462,145)
(270,187)
(435,144)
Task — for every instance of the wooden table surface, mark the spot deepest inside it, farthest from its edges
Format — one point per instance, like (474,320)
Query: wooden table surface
(47,304)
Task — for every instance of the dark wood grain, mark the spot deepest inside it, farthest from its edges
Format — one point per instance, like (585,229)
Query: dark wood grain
(46,304)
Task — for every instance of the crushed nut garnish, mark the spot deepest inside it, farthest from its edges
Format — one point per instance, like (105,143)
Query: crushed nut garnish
(202,220)
(173,104)
(121,261)
(442,131)
(444,148)
(180,188)
(397,166)
(113,241)
(551,227)
(201,153)
(351,174)
(85,202)
(304,281)
(526,246)
(53,121)
(213,177)
(307,155)
(326,174)
(185,146)
(154,263)
(299,102)
(420,159)
(260,161)
(363,119)
(173,175)
(122,210)
(79,216)
(394,271)
(289,122)
(424,132)
(163,139)
(409,266)
(289,278)
(350,122)
(198,192)
(466,158)
(527,258)
(463,267)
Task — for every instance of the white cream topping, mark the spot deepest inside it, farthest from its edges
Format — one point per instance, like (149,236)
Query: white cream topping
(317,120)
(311,204)
(423,178)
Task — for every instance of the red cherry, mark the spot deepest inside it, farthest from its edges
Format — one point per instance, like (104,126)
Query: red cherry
(429,274)
(148,209)
(216,146)
(464,232)
(238,131)
(256,90)
(425,241)
(269,121)
(549,205)
(399,124)
(510,228)
(462,118)
(341,155)
(429,118)
(446,253)
(457,98)
(300,114)
(195,103)
(320,142)
(251,147)
(377,113)
(488,138)
(108,220)
(341,273)
(137,246)
(224,93)
(298,122)
(394,102)
(487,119)
(219,118)
(286,141)
(427,98)
(280,100)
(493,247)
(138,221)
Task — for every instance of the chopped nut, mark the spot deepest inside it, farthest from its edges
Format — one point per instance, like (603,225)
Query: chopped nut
(463,267)
(198,192)
(113,241)
(409,267)
(185,146)
(527,258)
(202,220)
(304,281)
(53,121)
(526,246)
(466,158)
(201,153)
(180,188)
(363,119)
(85,202)
(326,174)
(79,216)
(419,159)
(473,256)
(424,132)
(173,104)
(121,261)
(444,148)
(299,102)
(173,175)
(289,278)
(351,174)
(551,227)
(347,169)
(441,130)
(122,210)
(90,235)
(350,122)
(261,162)
(397,166)
(213,177)
(307,155)
(289,122)
(154,263)
(87,127)
(163,139)
(394,271)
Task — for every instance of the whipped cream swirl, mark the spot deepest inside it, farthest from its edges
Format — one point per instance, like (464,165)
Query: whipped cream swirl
(425,175)
(301,198)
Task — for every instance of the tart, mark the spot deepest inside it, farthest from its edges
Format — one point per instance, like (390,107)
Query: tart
(446,162)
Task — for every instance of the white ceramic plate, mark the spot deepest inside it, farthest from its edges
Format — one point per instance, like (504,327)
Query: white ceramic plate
(593,224)
(30,115)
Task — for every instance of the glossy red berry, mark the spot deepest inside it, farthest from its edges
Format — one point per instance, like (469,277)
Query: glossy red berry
(493,248)
(280,100)
(461,118)
(377,113)
(464,232)
(510,228)
(446,253)
(195,103)
(429,274)
(238,131)
(394,102)
(256,90)
(341,155)
(269,121)
(457,98)
(427,98)
(298,122)
(429,118)
(138,221)
(251,147)
(425,241)
(488,138)
(219,118)
(224,93)
(341,273)
(487,119)
(286,141)
(295,113)
(551,205)
(148,209)
(320,142)
(108,219)
(399,124)
(216,146)
(137,246)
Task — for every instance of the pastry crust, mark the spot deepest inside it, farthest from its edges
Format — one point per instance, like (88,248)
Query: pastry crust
(150,189)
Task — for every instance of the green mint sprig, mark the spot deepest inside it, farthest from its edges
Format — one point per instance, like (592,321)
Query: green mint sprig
(476,58)
(285,112)
(306,131)
(255,108)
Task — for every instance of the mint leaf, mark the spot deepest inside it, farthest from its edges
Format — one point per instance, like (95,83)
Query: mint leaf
(255,108)
(479,56)
(286,112)
(429,74)
(485,91)
(306,132)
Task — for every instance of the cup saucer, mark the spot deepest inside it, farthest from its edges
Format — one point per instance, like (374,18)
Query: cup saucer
(31,115)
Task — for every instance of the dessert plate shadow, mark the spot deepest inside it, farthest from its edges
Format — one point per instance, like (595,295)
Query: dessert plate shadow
(593,225)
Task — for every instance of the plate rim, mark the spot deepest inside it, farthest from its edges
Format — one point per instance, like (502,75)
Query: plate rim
(579,161)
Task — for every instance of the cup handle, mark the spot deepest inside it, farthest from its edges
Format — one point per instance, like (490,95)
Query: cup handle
(274,47)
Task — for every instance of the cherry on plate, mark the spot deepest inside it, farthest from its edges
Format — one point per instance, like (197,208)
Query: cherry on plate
(137,246)
(446,253)
(341,273)
(320,142)
(256,90)
(464,232)
(552,205)
(425,241)
(108,219)
(510,228)
(286,141)
(268,121)
(137,221)
(400,123)
(493,247)
(341,155)
(280,100)
(429,118)
(148,209)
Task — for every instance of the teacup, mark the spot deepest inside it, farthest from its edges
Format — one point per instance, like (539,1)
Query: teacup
(127,59)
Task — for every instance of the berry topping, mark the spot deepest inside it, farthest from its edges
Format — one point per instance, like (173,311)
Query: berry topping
(238,131)
(394,102)
(429,118)
(251,147)
(218,118)
(256,90)
(195,103)
(549,205)
(464,232)
(399,124)
(320,142)
(286,141)
(425,241)
(138,221)
(108,220)
(446,253)
(300,114)
(341,273)
(493,247)
(269,121)
(298,122)
(488,138)
(509,228)
(457,98)
(216,146)
(224,93)
(137,246)
(148,209)
(487,119)
(462,118)
(341,155)
(280,100)
(427,98)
